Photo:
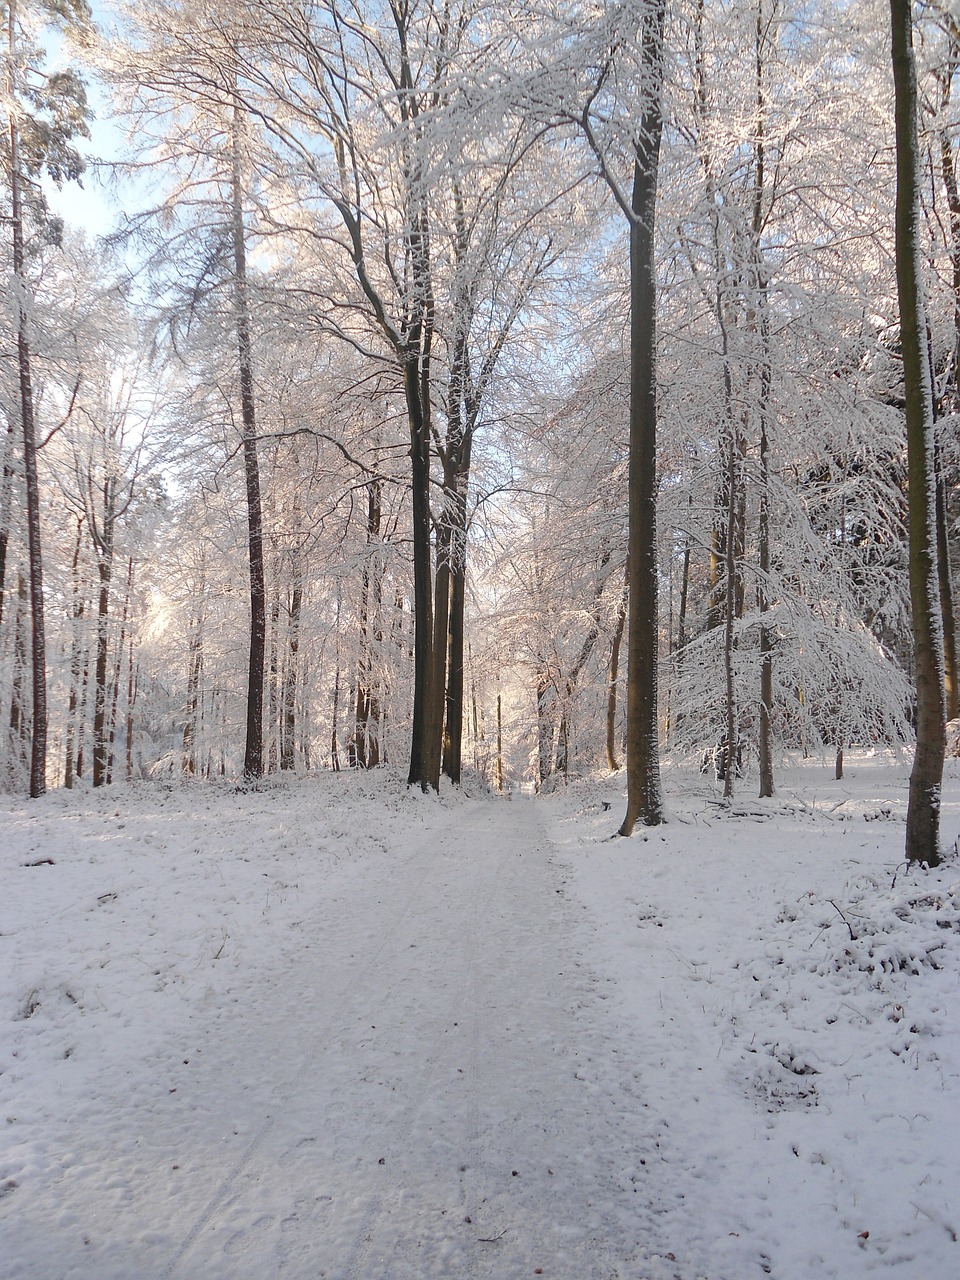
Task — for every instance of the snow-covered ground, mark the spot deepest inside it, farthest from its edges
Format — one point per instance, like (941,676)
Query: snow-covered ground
(333,1028)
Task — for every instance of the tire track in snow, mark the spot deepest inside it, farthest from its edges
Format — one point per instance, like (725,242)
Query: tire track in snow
(474,849)
(456,1113)
(337,1023)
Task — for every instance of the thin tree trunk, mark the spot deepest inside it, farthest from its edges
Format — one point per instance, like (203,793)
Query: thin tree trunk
(288,726)
(923,810)
(366,751)
(766,377)
(132,683)
(117,668)
(195,672)
(730,745)
(253,747)
(947,613)
(475,718)
(18,718)
(6,498)
(499,742)
(766,643)
(105,571)
(76,618)
(273,692)
(334,728)
(82,712)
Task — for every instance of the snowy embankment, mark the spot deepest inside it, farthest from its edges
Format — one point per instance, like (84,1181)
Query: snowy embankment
(794,991)
(331,1028)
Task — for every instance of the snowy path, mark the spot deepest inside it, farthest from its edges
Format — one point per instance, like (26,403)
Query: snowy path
(430,1115)
(418,1084)
(332,1028)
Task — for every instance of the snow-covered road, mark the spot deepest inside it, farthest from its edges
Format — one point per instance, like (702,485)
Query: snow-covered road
(413,1088)
(412,1076)
(333,1028)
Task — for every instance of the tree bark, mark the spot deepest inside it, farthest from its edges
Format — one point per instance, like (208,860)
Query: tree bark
(923,810)
(117,669)
(191,718)
(6,495)
(105,572)
(76,617)
(273,684)
(38,744)
(253,746)
(947,612)
(949,174)
(366,746)
(765,745)
(288,723)
(613,763)
(131,704)
(644,794)
(18,718)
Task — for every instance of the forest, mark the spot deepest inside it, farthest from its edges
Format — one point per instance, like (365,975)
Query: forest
(513,389)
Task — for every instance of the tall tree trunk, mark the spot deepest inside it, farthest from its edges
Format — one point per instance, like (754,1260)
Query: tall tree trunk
(253,746)
(425,742)
(644,793)
(766,642)
(729,748)
(923,809)
(766,378)
(463,411)
(949,174)
(38,744)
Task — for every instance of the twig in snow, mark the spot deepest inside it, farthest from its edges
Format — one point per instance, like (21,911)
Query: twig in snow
(493,1239)
(935,1217)
(853,936)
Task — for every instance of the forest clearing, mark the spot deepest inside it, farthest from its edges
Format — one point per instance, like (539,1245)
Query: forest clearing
(333,1027)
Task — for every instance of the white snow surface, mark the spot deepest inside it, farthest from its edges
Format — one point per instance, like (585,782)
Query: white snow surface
(334,1028)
